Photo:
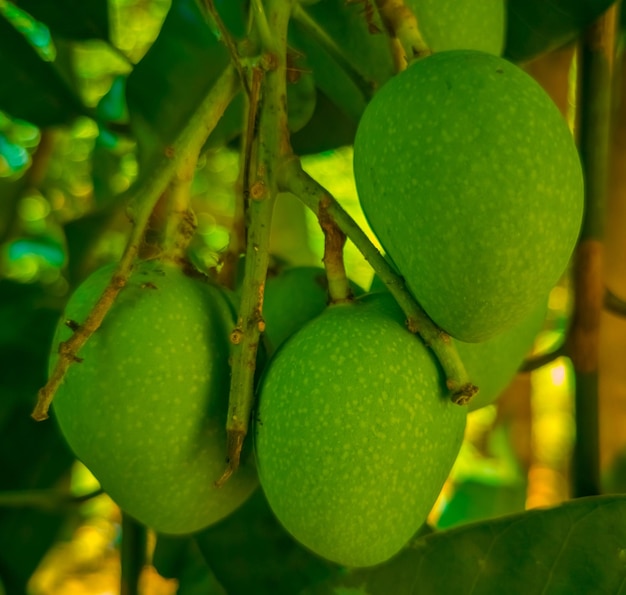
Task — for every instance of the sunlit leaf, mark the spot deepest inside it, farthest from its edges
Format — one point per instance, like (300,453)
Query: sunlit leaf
(538,26)
(74,19)
(31,88)
(112,107)
(475,501)
(579,547)
(13,155)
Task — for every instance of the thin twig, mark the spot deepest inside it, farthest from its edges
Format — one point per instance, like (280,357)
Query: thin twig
(237,242)
(295,180)
(543,359)
(229,42)
(272,147)
(150,188)
(614,304)
(44,499)
(324,40)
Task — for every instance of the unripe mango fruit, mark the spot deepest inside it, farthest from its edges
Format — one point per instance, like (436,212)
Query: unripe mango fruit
(355,433)
(491,365)
(469,176)
(292,298)
(461,24)
(146,408)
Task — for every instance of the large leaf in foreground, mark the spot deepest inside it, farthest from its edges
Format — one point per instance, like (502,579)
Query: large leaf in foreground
(250,552)
(579,547)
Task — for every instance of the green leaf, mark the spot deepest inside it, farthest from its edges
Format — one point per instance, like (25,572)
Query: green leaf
(578,547)
(180,558)
(32,456)
(178,71)
(328,128)
(342,95)
(250,552)
(474,501)
(538,26)
(31,88)
(73,19)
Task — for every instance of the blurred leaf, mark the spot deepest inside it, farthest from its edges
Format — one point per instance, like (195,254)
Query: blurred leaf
(330,77)
(180,558)
(474,501)
(112,106)
(176,74)
(342,96)
(328,128)
(30,88)
(74,19)
(32,455)
(105,167)
(358,32)
(47,247)
(614,480)
(579,547)
(250,552)
(538,26)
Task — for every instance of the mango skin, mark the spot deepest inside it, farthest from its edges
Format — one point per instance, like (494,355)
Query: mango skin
(354,432)
(492,364)
(292,298)
(469,177)
(145,411)
(461,24)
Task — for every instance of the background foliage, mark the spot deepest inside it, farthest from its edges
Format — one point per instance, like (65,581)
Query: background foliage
(91,93)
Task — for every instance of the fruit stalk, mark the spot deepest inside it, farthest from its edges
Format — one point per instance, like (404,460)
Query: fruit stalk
(146,194)
(272,145)
(334,240)
(295,180)
(401,24)
(595,69)
(237,242)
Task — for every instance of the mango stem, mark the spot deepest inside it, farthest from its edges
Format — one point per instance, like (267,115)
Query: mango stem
(147,192)
(292,178)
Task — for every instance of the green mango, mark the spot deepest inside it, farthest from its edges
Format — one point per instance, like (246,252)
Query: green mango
(461,24)
(470,178)
(492,364)
(355,433)
(145,409)
(292,298)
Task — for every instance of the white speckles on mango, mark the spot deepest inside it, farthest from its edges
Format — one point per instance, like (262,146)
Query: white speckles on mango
(479,200)
(352,470)
(145,410)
